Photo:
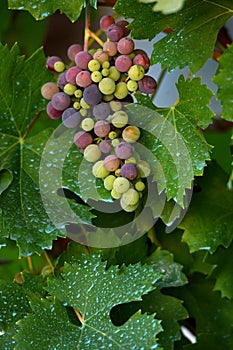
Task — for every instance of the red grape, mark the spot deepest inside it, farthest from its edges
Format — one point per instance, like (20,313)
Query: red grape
(71,74)
(147,85)
(82,139)
(105,22)
(60,101)
(82,58)
(61,81)
(102,128)
(123,63)
(129,171)
(111,48)
(115,32)
(105,146)
(101,56)
(111,163)
(125,46)
(143,60)
(124,150)
(92,95)
(48,90)
(52,112)
(51,61)
(83,78)
(73,50)
(124,24)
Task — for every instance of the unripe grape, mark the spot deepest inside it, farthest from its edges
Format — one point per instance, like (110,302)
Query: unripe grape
(131,160)
(87,124)
(96,76)
(119,119)
(73,50)
(136,72)
(124,24)
(114,74)
(129,171)
(92,153)
(112,135)
(71,118)
(132,85)
(101,56)
(111,162)
(128,208)
(143,168)
(92,95)
(131,134)
(76,105)
(59,67)
(130,197)
(108,98)
(78,93)
(121,185)
(123,63)
(60,101)
(82,59)
(71,74)
(124,150)
(93,65)
(115,194)
(115,142)
(147,85)
(102,128)
(140,186)
(83,112)
(105,146)
(121,90)
(115,105)
(83,104)
(105,22)
(105,72)
(99,170)
(125,46)
(48,90)
(108,182)
(115,32)
(52,112)
(83,79)
(69,89)
(82,139)
(106,65)
(61,80)
(51,61)
(101,110)
(107,86)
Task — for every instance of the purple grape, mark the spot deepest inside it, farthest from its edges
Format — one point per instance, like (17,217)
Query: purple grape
(115,32)
(147,85)
(61,81)
(143,60)
(73,50)
(111,163)
(51,61)
(129,171)
(48,90)
(101,56)
(105,22)
(71,117)
(83,79)
(60,101)
(105,146)
(82,58)
(82,139)
(111,48)
(52,112)
(101,110)
(92,95)
(124,150)
(123,63)
(71,74)
(102,128)
(124,24)
(125,46)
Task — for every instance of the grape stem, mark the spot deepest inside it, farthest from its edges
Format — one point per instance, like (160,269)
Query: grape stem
(79,316)
(49,260)
(87,27)
(29,261)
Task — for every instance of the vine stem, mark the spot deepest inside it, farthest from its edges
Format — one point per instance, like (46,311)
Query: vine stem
(79,316)
(30,265)
(87,27)
(48,260)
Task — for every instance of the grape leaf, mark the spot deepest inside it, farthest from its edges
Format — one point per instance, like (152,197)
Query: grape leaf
(197,19)
(42,9)
(6,178)
(208,222)
(166,7)
(224,80)
(94,301)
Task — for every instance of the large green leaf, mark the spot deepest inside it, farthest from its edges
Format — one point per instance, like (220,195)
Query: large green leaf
(42,9)
(195,29)
(208,222)
(166,7)
(224,80)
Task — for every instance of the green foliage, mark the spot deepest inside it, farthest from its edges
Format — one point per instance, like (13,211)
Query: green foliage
(164,6)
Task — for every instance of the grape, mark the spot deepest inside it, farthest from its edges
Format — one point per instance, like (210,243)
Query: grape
(71,118)
(121,185)
(83,104)
(132,85)
(96,76)
(131,134)
(124,24)
(78,93)
(51,61)
(140,186)
(130,197)
(119,119)
(71,74)
(105,72)
(147,85)
(107,86)
(105,146)
(115,194)
(52,112)
(82,139)
(83,78)
(114,73)
(108,98)
(101,110)
(143,168)
(69,89)
(115,32)
(111,162)
(76,105)
(143,60)
(48,90)
(111,48)
(92,153)
(106,65)
(129,171)
(101,56)
(125,46)
(105,22)
(60,101)
(121,90)
(115,105)
(82,58)
(92,95)
(73,50)
(59,67)
(99,170)
(124,150)
(87,124)
(131,160)
(93,65)
(136,72)
(112,135)
(83,112)
(108,182)
(61,81)
(102,128)
(123,63)
(115,142)
(128,208)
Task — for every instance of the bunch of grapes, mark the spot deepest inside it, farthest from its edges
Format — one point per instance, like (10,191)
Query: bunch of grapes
(90,95)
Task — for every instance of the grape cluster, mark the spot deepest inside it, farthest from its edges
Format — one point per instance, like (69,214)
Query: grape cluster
(90,95)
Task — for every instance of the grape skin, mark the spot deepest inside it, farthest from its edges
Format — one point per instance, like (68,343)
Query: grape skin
(92,95)
(51,61)
(92,153)
(121,185)
(107,86)
(82,139)
(102,128)
(111,162)
(111,48)
(124,150)
(71,118)
(147,85)
(71,74)
(129,171)
(101,56)
(130,197)
(143,60)
(119,119)
(124,24)
(105,146)
(73,50)
(131,134)
(60,101)
(123,63)
(115,32)
(52,112)
(83,79)
(48,90)
(125,46)
(82,59)
(121,90)
(105,22)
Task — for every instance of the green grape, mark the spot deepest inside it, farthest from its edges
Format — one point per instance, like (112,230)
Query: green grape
(108,182)
(143,168)
(106,64)
(92,153)
(119,119)
(108,98)
(87,124)
(69,89)
(112,135)
(132,85)
(118,172)
(107,86)
(128,208)
(114,74)
(76,105)
(115,105)
(115,142)
(59,67)
(121,90)
(131,134)
(96,76)
(83,112)
(99,170)
(121,185)
(136,72)
(130,197)
(140,186)
(93,65)
(78,93)
(131,160)
(105,72)
(84,104)
(115,194)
